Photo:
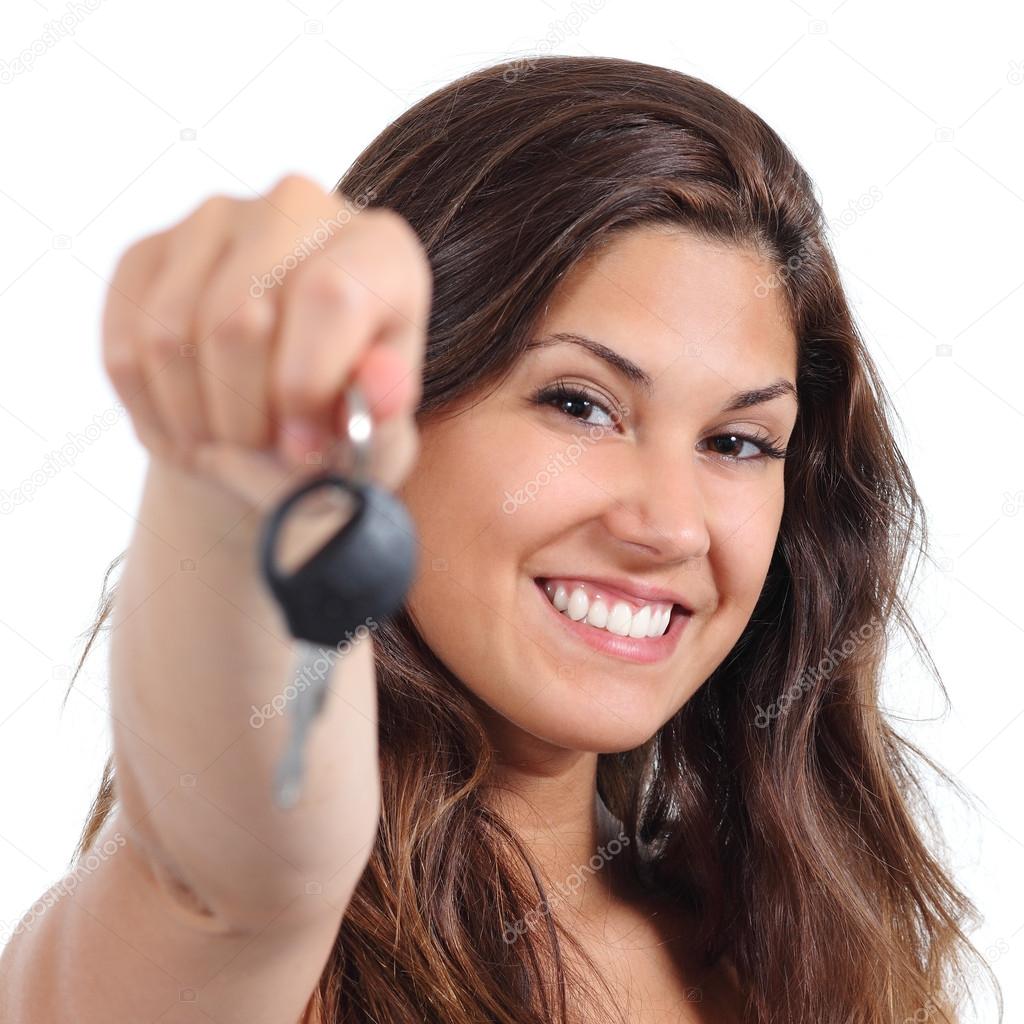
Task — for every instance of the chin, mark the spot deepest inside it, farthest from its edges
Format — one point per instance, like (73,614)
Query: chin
(573,716)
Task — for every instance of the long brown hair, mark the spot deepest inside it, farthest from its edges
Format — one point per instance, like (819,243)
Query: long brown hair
(778,807)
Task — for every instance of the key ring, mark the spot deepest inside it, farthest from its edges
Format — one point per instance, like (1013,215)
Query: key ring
(359,427)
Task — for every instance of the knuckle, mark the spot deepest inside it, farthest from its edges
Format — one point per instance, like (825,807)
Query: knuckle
(246,323)
(171,312)
(213,207)
(136,250)
(138,254)
(143,247)
(294,185)
(322,283)
(159,338)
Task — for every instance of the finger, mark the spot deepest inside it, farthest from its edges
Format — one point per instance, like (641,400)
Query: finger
(236,332)
(388,383)
(122,351)
(170,352)
(370,284)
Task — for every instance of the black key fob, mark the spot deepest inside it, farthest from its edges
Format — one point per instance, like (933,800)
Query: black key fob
(362,572)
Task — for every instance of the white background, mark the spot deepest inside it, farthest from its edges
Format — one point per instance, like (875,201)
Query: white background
(905,115)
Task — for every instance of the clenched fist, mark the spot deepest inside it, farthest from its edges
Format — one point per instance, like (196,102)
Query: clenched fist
(241,384)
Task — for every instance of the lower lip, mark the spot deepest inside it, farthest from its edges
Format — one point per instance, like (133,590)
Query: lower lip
(644,650)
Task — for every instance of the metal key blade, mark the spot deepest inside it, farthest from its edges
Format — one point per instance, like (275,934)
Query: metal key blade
(307,704)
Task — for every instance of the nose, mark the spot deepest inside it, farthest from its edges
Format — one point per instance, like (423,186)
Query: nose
(656,504)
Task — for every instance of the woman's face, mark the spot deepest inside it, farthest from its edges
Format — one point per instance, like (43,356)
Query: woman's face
(636,483)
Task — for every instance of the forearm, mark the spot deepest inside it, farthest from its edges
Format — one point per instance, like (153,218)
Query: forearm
(201,663)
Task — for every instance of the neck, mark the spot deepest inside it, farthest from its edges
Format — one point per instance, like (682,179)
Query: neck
(549,797)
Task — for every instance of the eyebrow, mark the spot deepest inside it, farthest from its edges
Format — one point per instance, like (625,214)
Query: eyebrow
(628,369)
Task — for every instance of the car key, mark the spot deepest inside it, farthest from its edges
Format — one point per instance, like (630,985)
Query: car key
(363,571)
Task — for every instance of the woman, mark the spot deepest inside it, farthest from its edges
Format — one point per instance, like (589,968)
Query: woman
(620,756)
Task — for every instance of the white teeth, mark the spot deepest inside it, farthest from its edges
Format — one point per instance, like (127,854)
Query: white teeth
(620,618)
(578,605)
(659,622)
(654,626)
(598,614)
(641,621)
(648,621)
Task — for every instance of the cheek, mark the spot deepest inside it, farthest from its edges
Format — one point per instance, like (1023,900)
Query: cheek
(481,477)
(457,486)
(743,537)
(484,505)
(543,497)
(471,539)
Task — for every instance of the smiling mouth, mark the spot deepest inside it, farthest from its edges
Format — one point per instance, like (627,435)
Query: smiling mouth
(645,650)
(611,615)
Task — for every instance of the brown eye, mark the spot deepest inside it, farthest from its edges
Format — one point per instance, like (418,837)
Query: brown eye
(577,404)
(764,447)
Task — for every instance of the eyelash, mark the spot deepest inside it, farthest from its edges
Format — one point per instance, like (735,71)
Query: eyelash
(563,391)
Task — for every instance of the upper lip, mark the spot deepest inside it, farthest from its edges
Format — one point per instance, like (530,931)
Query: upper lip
(644,592)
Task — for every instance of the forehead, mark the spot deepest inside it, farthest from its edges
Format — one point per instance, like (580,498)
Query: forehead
(660,292)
